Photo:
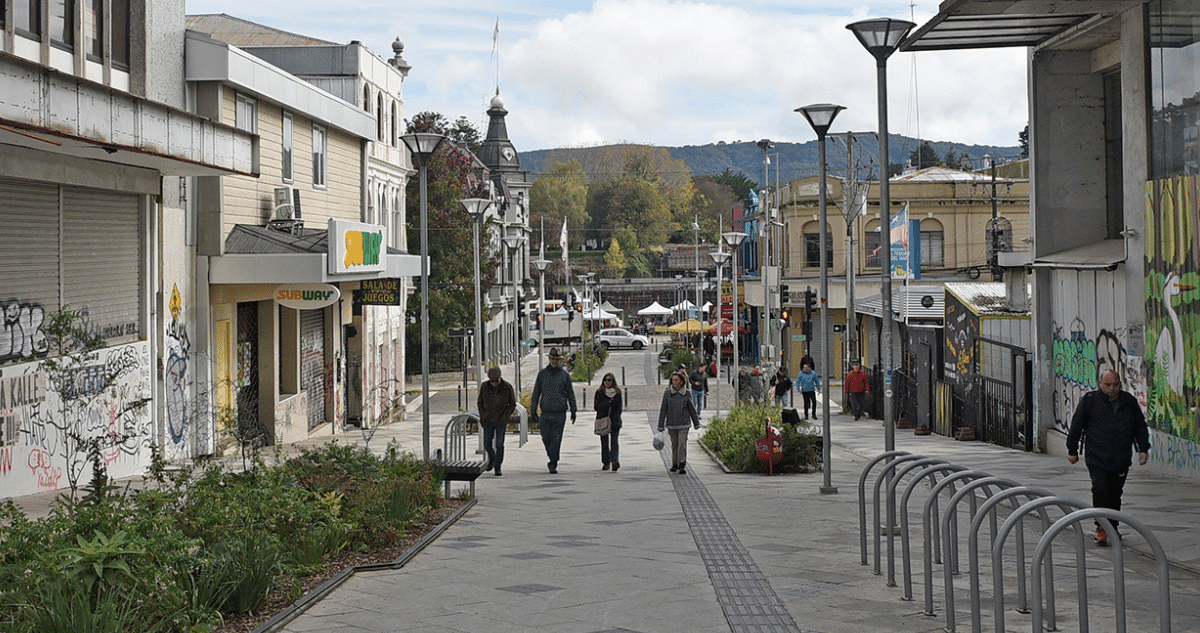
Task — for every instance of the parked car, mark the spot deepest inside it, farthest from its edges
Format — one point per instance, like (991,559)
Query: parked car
(619,337)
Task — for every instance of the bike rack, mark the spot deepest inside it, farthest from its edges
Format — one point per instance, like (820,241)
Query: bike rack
(928,518)
(862,500)
(1103,515)
(997,546)
(887,472)
(891,495)
(950,544)
(990,508)
(906,554)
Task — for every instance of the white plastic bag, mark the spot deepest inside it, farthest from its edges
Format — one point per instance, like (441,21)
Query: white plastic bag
(660,440)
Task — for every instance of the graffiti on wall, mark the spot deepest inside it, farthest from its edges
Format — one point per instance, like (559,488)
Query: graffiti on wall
(1173,306)
(1080,358)
(175,373)
(21,335)
(41,421)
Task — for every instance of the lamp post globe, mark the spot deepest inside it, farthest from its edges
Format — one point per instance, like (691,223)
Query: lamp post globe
(881,37)
(422,145)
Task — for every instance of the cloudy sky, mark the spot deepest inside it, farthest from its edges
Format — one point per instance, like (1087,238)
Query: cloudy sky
(665,72)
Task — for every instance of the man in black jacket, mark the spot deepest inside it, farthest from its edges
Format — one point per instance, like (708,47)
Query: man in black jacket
(1109,421)
(496,402)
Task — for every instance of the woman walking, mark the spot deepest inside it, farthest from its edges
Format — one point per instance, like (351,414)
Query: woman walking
(678,411)
(607,404)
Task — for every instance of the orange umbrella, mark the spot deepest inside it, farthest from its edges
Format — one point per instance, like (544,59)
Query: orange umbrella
(726,327)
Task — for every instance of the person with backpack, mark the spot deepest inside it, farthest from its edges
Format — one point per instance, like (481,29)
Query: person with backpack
(781,384)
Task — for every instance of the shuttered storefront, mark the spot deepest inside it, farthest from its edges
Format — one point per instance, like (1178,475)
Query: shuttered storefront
(312,364)
(67,245)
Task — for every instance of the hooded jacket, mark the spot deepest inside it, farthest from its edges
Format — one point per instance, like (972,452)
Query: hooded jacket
(678,410)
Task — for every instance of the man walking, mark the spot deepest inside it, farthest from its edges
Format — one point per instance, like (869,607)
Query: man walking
(496,403)
(699,382)
(555,394)
(1110,421)
(856,386)
(807,383)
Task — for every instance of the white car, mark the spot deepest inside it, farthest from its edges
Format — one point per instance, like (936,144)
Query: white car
(618,338)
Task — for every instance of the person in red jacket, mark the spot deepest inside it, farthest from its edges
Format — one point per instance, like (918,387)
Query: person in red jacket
(856,387)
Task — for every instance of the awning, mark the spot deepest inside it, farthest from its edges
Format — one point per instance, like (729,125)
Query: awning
(962,24)
(259,255)
(1101,255)
(654,309)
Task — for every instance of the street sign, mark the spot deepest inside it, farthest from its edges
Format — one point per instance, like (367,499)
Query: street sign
(839,327)
(529,342)
(457,332)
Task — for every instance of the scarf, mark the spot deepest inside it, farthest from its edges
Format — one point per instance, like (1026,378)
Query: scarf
(610,391)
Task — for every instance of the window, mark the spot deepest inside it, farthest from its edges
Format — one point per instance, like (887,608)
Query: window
(395,124)
(120,34)
(286,157)
(246,115)
(871,248)
(1174,82)
(93,30)
(319,151)
(380,121)
(62,23)
(27,18)
(1114,161)
(933,251)
(812,249)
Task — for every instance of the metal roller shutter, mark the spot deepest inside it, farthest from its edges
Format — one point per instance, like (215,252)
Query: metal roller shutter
(29,287)
(101,261)
(312,364)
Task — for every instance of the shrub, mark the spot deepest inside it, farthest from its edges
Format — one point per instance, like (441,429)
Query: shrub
(586,362)
(732,438)
(679,356)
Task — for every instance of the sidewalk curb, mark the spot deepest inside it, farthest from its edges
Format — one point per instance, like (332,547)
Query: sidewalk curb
(298,607)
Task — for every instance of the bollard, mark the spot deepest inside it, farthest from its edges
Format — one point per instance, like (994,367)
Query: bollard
(997,553)
(862,499)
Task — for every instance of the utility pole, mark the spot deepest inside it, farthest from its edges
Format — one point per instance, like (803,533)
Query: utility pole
(851,211)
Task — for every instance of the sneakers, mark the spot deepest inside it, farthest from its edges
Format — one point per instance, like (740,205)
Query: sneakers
(1101,537)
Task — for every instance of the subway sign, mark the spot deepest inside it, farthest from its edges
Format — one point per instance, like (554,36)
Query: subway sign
(307,296)
(355,247)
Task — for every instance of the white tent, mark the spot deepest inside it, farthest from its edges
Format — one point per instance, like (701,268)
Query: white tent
(684,306)
(608,307)
(654,309)
(596,314)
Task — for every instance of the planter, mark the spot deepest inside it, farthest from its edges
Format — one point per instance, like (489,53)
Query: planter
(964,434)
(922,429)
(902,423)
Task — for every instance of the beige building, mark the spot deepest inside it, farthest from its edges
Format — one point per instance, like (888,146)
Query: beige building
(955,211)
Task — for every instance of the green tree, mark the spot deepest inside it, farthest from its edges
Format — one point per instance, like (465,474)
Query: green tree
(556,194)
(638,262)
(924,156)
(451,267)
(1023,139)
(957,160)
(630,203)
(465,132)
(712,204)
(737,182)
(614,260)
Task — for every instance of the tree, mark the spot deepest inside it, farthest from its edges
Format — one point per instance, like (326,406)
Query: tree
(638,262)
(630,203)
(713,202)
(1023,139)
(614,260)
(451,267)
(957,160)
(560,193)
(738,183)
(465,133)
(924,156)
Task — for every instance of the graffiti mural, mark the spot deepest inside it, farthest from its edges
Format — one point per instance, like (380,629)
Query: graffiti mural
(175,373)
(21,335)
(38,428)
(1173,306)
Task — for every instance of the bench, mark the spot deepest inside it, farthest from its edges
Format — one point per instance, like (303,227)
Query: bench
(453,457)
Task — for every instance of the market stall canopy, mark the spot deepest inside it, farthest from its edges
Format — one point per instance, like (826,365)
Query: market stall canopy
(684,305)
(691,326)
(596,314)
(654,309)
(608,307)
(726,327)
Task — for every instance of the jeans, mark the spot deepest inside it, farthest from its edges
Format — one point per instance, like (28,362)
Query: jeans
(698,398)
(810,398)
(610,449)
(1107,486)
(678,446)
(551,425)
(781,400)
(856,403)
(493,443)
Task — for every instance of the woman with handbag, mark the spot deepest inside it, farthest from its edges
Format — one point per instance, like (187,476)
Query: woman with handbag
(607,404)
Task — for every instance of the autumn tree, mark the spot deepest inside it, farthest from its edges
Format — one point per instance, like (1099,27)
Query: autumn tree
(712,204)
(557,194)
(614,260)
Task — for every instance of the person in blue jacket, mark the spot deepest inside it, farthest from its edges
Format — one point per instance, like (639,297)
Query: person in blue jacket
(807,383)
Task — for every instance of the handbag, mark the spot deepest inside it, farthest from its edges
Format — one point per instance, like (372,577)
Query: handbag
(603,426)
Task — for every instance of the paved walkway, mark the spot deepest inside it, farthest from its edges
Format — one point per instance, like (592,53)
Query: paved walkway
(642,550)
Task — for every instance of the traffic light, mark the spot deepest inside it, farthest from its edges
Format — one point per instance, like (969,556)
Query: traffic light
(784,314)
(783,290)
(570,314)
(810,301)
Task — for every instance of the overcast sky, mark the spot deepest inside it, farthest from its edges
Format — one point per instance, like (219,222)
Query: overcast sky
(665,72)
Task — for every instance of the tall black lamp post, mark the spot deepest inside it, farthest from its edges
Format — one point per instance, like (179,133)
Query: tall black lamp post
(820,116)
(422,145)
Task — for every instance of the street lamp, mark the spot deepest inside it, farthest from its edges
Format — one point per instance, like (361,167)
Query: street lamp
(513,242)
(477,208)
(719,258)
(422,145)
(541,264)
(734,239)
(881,37)
(820,116)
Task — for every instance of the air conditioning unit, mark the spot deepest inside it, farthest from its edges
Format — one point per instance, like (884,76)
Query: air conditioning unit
(287,203)
(285,215)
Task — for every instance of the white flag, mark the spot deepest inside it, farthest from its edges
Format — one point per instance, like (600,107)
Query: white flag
(562,239)
(496,37)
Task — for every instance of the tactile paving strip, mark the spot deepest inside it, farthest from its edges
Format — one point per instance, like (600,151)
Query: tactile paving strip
(749,602)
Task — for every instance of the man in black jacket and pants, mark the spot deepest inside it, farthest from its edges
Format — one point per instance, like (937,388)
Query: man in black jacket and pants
(1110,421)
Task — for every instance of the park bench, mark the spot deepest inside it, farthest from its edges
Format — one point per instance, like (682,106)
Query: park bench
(453,458)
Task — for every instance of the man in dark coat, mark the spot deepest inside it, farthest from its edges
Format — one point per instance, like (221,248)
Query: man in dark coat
(1109,421)
(496,403)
